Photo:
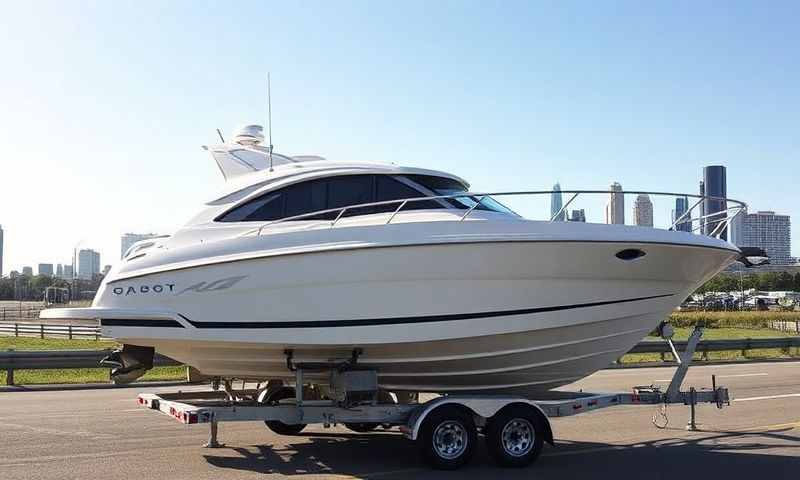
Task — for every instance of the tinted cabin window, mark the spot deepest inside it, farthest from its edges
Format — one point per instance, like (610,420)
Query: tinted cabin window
(329,193)
(387,188)
(264,208)
(305,197)
(351,190)
(448,186)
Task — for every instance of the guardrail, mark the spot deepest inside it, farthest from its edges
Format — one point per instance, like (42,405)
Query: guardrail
(43,330)
(21,312)
(706,346)
(55,359)
(58,359)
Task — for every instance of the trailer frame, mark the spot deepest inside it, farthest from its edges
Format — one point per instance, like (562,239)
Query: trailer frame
(476,412)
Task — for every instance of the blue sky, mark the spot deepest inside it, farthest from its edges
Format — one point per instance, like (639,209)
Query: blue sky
(105,104)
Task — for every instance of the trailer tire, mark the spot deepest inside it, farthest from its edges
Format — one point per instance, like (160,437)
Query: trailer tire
(515,436)
(447,438)
(277,426)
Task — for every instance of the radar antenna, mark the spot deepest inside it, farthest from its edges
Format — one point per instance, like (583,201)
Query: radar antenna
(269,119)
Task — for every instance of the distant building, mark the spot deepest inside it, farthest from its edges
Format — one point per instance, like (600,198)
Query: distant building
(129,239)
(67,272)
(768,231)
(46,269)
(27,271)
(88,264)
(578,216)
(59,271)
(735,227)
(1,250)
(702,208)
(714,185)
(643,211)
(615,209)
(681,206)
(556,214)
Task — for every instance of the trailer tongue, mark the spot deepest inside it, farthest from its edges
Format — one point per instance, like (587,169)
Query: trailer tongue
(446,427)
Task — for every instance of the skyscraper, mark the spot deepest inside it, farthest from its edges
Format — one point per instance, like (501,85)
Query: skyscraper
(67,272)
(768,231)
(27,271)
(59,271)
(735,227)
(129,239)
(643,211)
(1,250)
(88,263)
(702,207)
(715,185)
(556,204)
(615,209)
(46,269)
(578,216)
(681,206)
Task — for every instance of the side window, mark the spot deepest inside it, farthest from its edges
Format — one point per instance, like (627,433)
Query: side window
(351,190)
(265,208)
(305,197)
(387,188)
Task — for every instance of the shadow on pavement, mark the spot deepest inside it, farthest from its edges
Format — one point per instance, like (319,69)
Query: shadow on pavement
(389,455)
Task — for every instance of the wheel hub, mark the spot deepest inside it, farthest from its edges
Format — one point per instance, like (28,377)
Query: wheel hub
(517,437)
(450,439)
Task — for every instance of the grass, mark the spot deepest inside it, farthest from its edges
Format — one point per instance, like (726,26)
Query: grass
(33,343)
(732,319)
(87,375)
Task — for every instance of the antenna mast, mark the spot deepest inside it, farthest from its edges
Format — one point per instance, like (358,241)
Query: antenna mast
(269,118)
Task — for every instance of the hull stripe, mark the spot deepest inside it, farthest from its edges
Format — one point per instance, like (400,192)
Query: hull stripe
(404,320)
(133,322)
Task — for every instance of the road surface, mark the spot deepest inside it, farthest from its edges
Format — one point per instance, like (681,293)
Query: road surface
(103,434)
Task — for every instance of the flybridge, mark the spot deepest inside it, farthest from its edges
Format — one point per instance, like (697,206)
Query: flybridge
(247,154)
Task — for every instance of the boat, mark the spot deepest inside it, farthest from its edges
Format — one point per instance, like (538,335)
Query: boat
(402,270)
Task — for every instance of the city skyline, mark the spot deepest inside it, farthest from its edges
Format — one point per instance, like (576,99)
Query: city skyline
(673,100)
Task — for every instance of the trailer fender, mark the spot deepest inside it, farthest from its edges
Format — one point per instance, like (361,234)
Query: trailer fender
(483,407)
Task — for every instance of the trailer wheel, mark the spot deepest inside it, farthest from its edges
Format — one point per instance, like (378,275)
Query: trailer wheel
(447,438)
(514,436)
(276,426)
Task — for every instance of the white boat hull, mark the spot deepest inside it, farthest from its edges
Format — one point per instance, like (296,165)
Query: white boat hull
(468,316)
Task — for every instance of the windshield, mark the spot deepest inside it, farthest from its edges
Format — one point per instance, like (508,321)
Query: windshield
(448,186)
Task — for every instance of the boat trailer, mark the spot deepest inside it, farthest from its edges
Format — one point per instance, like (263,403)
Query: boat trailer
(446,427)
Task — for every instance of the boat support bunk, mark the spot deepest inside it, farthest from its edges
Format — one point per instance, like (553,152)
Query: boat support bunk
(446,427)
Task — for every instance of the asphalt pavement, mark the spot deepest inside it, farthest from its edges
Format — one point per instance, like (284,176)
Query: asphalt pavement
(103,434)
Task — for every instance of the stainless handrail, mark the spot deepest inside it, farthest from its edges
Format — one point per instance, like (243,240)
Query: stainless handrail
(737,207)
